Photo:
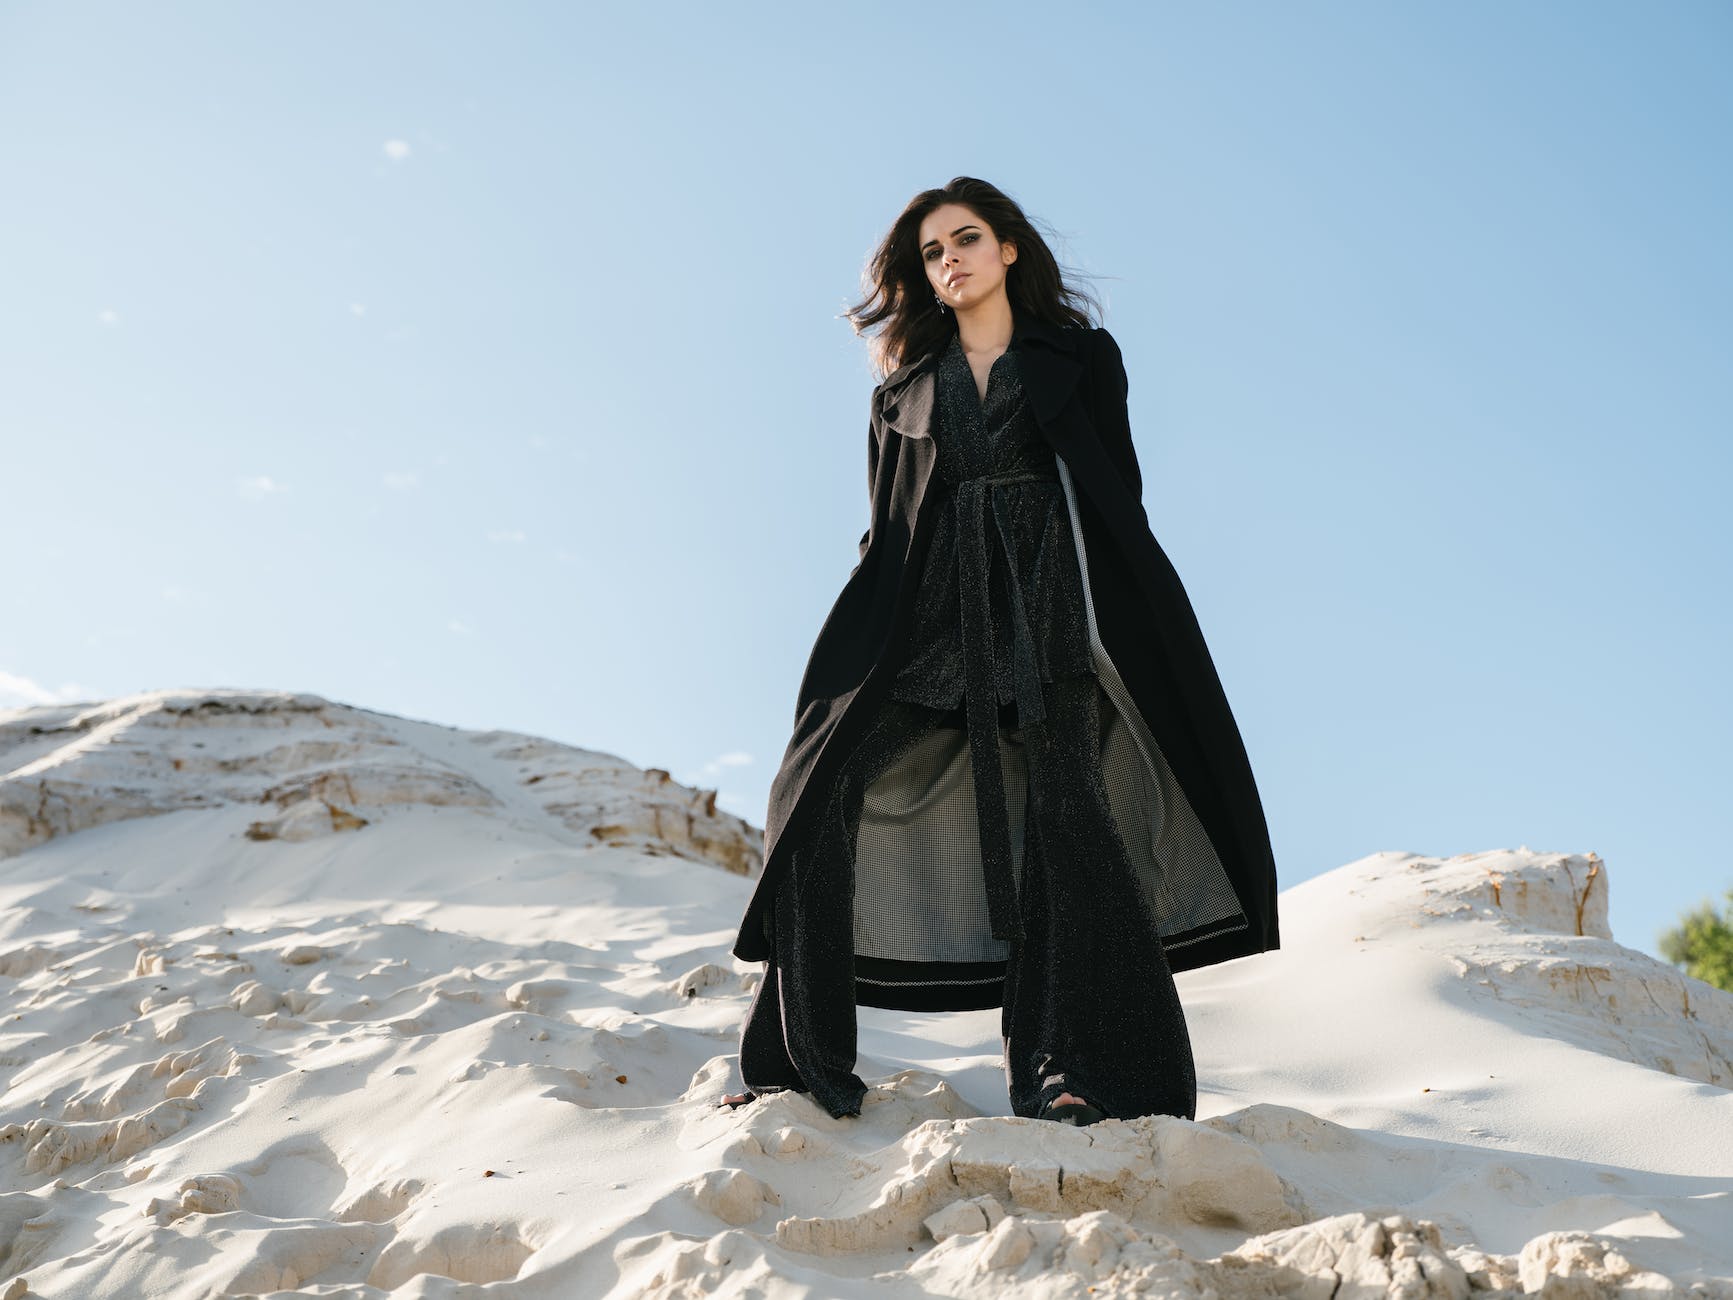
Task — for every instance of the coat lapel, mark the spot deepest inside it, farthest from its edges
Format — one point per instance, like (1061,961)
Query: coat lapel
(1048,361)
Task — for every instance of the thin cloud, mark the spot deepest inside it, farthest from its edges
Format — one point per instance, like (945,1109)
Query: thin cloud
(109,317)
(405,481)
(397,150)
(18,691)
(722,763)
(259,487)
(515,535)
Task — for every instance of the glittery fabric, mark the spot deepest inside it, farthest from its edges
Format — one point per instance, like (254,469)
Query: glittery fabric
(1090,1002)
(975,439)
(801,1029)
(1000,606)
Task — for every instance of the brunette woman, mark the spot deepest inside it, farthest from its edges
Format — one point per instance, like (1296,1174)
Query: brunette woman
(1014,779)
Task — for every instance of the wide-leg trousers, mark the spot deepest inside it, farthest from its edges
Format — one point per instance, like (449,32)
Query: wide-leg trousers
(1090,1006)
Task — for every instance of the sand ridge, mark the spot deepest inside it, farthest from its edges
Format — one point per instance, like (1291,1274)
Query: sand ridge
(468,1037)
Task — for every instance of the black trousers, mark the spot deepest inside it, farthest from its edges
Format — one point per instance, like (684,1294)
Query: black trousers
(1090,1005)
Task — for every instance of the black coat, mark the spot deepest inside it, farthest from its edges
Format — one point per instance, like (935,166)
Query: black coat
(1076,385)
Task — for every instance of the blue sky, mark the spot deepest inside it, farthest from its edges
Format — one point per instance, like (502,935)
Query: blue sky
(484,364)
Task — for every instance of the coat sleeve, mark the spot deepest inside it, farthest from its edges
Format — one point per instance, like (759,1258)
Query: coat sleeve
(872,477)
(1108,389)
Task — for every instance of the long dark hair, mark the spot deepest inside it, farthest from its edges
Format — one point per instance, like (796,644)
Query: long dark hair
(900,295)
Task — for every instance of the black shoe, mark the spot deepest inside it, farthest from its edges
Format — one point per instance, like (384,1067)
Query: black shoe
(1078,1113)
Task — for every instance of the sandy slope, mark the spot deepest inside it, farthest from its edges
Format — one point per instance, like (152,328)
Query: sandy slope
(303,996)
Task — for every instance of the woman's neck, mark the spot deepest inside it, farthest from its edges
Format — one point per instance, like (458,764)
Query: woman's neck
(985,329)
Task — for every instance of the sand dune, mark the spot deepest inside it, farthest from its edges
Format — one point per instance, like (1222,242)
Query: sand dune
(304,997)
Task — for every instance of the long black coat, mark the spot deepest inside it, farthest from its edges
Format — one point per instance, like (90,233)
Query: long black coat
(1076,385)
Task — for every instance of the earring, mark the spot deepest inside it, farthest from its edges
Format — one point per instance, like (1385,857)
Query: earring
(941,303)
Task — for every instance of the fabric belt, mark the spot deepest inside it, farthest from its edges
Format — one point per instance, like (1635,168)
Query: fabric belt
(980,680)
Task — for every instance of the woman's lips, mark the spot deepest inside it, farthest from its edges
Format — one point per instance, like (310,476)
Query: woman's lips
(955,280)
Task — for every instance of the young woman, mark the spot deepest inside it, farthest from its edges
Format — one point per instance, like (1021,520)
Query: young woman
(1014,778)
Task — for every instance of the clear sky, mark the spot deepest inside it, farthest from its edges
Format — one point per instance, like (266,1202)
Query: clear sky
(484,364)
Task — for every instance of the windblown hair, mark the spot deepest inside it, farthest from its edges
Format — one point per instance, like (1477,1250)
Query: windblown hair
(899,295)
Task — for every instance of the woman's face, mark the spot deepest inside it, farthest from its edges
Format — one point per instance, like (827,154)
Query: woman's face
(965,262)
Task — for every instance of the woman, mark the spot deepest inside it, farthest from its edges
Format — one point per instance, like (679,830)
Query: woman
(1014,779)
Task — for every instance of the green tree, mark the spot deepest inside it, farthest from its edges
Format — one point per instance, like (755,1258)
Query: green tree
(1702,944)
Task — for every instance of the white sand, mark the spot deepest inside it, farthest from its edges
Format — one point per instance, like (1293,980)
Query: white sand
(302,996)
